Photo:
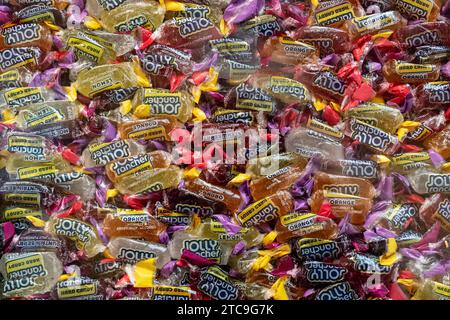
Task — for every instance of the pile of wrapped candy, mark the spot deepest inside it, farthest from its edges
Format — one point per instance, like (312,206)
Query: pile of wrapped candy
(225,149)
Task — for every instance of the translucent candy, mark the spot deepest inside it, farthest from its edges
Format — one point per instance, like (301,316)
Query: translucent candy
(418,10)
(154,128)
(327,40)
(374,23)
(440,142)
(100,154)
(426,181)
(132,251)
(132,14)
(150,181)
(372,137)
(200,244)
(133,224)
(281,179)
(426,33)
(83,234)
(432,290)
(48,112)
(333,13)
(121,168)
(404,72)
(29,273)
(231,199)
(284,50)
(187,33)
(302,224)
(98,47)
(325,84)
(308,143)
(342,204)
(378,115)
(154,102)
(26,34)
(266,209)
(341,184)
(106,77)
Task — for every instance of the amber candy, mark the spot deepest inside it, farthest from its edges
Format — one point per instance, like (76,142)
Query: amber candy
(305,224)
(342,204)
(133,224)
(341,184)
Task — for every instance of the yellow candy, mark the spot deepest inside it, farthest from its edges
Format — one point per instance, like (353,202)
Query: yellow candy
(319,104)
(92,23)
(144,272)
(391,256)
(36,221)
(279,290)
(240,178)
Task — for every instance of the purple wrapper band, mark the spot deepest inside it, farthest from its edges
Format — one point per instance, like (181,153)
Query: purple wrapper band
(206,108)
(445,11)
(411,253)
(347,228)
(102,187)
(235,274)
(207,63)
(168,268)
(430,236)
(196,259)
(403,181)
(308,292)
(385,189)
(99,229)
(172,229)
(58,42)
(265,227)
(374,216)
(96,170)
(5,14)
(67,61)
(164,237)
(238,248)
(331,59)
(241,10)
(110,132)
(158,145)
(437,270)
(407,104)
(304,185)
(385,233)
(216,96)
(370,235)
(231,227)
(445,69)
(296,13)
(436,158)
(244,190)
(301,205)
